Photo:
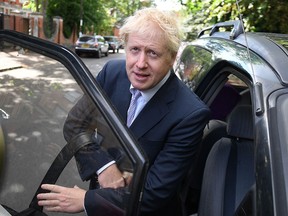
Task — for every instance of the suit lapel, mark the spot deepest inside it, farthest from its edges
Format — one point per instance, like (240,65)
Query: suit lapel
(156,109)
(122,99)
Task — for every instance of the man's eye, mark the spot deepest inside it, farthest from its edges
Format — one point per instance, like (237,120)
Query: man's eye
(152,53)
(134,49)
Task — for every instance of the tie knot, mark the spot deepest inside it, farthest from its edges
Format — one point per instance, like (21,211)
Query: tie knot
(135,93)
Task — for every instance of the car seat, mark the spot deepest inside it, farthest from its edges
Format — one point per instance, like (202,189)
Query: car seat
(223,104)
(190,194)
(229,169)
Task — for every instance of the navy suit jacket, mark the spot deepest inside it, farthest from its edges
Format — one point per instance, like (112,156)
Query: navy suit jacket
(169,129)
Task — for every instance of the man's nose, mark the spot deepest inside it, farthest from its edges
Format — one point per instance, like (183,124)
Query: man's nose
(142,60)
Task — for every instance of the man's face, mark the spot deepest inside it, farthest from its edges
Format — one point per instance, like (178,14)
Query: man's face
(147,60)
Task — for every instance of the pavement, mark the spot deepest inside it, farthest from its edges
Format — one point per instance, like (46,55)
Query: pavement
(8,61)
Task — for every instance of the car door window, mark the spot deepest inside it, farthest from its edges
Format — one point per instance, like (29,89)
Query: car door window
(192,65)
(36,95)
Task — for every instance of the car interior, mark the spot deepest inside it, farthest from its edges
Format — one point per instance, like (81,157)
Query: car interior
(221,181)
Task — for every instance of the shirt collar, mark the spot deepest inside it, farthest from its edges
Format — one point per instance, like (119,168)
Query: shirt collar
(149,93)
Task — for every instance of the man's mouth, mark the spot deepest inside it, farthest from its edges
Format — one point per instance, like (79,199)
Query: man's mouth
(141,75)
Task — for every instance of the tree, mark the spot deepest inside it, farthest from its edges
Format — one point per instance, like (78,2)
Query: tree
(258,15)
(266,15)
(98,17)
(68,11)
(32,5)
(120,10)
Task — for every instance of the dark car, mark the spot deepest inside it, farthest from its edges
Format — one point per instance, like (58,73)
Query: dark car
(113,42)
(242,162)
(92,44)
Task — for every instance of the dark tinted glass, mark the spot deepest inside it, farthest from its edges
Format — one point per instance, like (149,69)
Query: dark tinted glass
(86,39)
(110,39)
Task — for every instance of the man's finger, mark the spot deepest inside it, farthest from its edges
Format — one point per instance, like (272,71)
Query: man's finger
(52,187)
(50,203)
(48,196)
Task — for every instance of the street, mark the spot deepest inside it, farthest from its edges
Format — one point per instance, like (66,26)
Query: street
(95,64)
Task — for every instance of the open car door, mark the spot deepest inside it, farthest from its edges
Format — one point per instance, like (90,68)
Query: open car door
(40,82)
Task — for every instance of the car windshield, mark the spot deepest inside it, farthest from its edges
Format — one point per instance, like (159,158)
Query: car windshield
(86,39)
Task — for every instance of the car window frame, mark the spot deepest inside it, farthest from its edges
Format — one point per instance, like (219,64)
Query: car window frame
(214,79)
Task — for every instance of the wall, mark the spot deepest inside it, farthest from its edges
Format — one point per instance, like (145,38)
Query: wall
(34,25)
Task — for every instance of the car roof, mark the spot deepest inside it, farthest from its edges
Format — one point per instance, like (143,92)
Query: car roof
(271,47)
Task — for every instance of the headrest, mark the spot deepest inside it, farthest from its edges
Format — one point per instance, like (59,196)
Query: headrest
(240,122)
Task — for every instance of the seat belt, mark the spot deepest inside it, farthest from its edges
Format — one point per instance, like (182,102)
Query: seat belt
(56,168)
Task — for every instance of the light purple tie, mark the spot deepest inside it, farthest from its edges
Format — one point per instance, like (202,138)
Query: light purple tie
(132,108)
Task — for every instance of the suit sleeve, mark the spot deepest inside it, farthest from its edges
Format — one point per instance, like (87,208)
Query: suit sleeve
(83,118)
(173,162)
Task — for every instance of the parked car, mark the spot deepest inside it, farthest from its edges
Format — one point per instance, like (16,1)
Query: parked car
(241,164)
(113,42)
(92,44)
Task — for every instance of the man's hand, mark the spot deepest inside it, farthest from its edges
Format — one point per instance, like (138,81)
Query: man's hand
(62,199)
(111,177)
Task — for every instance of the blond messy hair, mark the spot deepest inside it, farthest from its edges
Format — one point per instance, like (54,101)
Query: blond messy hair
(142,21)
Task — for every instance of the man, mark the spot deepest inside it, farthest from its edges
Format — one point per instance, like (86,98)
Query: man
(168,122)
